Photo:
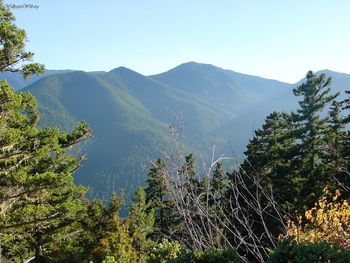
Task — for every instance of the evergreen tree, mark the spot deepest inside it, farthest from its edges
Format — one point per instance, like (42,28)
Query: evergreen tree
(189,180)
(346,121)
(346,106)
(188,170)
(344,144)
(311,129)
(113,237)
(157,196)
(38,199)
(217,203)
(269,158)
(38,195)
(218,182)
(13,56)
(336,138)
(140,222)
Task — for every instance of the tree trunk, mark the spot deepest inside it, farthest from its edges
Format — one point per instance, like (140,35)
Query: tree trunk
(39,255)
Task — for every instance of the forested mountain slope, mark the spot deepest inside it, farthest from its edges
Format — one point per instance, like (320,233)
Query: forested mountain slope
(129,113)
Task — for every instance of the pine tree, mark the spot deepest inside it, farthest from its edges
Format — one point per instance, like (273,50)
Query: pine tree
(157,195)
(344,177)
(38,195)
(189,180)
(269,158)
(38,198)
(335,148)
(13,56)
(311,129)
(140,222)
(218,203)
(218,182)
(346,106)
(166,219)
(112,237)
(188,169)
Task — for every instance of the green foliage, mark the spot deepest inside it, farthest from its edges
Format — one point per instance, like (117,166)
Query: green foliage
(39,201)
(269,156)
(39,198)
(140,222)
(218,188)
(12,43)
(44,214)
(166,220)
(109,259)
(336,137)
(209,256)
(156,195)
(288,152)
(164,251)
(290,251)
(310,129)
(296,155)
(125,134)
(106,234)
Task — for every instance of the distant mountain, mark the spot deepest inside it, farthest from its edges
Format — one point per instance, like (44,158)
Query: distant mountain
(200,117)
(249,98)
(252,118)
(16,80)
(225,89)
(129,112)
(340,81)
(124,132)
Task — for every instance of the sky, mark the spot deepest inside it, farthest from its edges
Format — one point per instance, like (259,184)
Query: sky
(269,38)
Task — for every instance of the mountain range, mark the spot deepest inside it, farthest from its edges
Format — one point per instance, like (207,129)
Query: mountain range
(130,114)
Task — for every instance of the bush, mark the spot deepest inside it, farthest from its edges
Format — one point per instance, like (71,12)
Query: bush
(163,252)
(290,251)
(109,259)
(209,256)
(328,221)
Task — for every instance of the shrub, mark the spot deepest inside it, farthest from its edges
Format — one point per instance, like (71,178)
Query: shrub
(164,251)
(328,221)
(290,251)
(109,259)
(209,256)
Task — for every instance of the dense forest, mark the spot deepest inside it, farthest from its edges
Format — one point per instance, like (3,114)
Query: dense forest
(286,202)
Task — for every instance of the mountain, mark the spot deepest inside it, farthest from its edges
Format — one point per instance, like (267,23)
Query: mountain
(16,80)
(225,89)
(200,117)
(124,132)
(251,119)
(340,81)
(249,98)
(129,114)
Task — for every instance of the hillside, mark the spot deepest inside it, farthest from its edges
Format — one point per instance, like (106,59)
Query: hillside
(225,89)
(200,117)
(16,80)
(124,133)
(128,113)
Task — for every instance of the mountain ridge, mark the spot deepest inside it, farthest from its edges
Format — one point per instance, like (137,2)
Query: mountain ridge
(15,79)
(129,113)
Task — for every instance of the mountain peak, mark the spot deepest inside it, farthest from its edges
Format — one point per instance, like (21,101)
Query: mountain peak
(123,70)
(331,72)
(193,64)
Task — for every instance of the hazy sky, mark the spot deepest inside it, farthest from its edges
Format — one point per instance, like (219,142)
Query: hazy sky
(279,39)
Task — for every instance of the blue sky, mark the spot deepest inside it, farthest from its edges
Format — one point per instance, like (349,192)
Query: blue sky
(269,38)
